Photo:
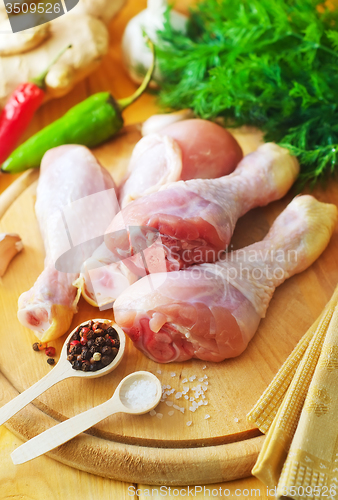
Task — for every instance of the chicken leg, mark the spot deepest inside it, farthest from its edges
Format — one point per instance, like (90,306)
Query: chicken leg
(211,311)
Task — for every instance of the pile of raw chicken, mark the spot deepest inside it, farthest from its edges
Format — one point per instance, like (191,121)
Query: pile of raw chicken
(153,248)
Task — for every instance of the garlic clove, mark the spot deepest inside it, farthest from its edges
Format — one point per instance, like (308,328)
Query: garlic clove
(10,245)
(137,56)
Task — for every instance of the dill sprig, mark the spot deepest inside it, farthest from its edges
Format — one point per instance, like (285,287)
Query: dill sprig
(272,64)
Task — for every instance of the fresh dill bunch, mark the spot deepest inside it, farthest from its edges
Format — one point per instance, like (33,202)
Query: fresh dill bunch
(272,64)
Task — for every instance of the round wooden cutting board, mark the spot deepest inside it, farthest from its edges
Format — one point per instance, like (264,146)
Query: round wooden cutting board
(163,448)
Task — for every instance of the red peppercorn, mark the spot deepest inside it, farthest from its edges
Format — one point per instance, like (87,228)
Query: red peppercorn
(74,342)
(84,331)
(50,352)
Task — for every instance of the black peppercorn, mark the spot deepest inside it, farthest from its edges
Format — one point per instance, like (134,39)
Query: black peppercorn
(51,361)
(105,360)
(106,350)
(85,365)
(90,335)
(85,354)
(99,341)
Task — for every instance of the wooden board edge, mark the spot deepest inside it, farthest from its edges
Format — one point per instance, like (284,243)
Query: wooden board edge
(16,188)
(138,464)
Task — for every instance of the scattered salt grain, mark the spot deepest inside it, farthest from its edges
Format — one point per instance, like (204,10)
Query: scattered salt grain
(169,403)
(192,378)
(205,377)
(200,403)
(204,387)
(192,399)
(184,381)
(186,397)
(176,407)
(203,397)
(204,367)
(159,415)
(185,388)
(178,395)
(201,379)
(189,423)
(141,394)
(171,413)
(192,408)
(205,402)
(173,374)
(152,413)
(159,372)
(236,419)
(207,416)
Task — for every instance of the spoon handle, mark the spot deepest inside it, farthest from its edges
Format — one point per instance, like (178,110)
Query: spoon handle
(59,434)
(58,373)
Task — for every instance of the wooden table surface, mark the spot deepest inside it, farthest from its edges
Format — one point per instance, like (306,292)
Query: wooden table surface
(45,478)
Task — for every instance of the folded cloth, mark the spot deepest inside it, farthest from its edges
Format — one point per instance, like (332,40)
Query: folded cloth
(278,410)
(311,467)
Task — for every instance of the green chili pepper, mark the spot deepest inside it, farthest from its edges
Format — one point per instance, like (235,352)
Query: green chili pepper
(89,123)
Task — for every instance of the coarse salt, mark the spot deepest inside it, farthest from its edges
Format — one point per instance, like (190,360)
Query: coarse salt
(159,372)
(171,413)
(236,419)
(178,395)
(184,381)
(141,394)
(173,374)
(152,413)
(207,416)
(169,403)
(201,379)
(192,378)
(186,397)
(189,423)
(204,367)
(159,415)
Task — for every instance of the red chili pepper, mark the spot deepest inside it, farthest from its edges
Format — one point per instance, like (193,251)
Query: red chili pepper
(17,115)
(19,111)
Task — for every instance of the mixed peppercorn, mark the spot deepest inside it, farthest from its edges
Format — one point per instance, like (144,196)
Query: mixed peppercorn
(93,346)
(49,351)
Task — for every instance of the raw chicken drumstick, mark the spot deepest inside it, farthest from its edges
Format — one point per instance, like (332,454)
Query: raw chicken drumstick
(75,203)
(196,218)
(211,311)
(198,149)
(190,149)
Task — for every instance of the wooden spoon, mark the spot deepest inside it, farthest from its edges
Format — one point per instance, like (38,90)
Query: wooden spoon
(120,402)
(62,370)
